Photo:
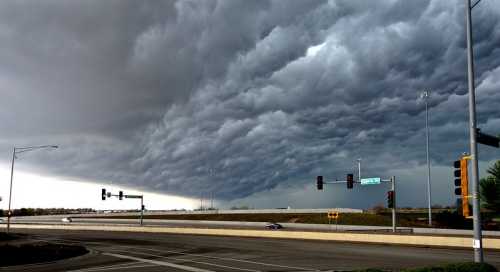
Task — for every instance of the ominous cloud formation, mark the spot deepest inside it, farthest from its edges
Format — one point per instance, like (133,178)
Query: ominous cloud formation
(240,97)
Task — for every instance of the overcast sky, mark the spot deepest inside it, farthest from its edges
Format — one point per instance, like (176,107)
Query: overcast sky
(245,100)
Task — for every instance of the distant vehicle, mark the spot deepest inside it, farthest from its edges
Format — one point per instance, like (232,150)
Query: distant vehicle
(67,220)
(274,226)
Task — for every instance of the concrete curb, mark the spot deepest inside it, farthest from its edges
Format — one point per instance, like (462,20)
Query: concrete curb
(412,240)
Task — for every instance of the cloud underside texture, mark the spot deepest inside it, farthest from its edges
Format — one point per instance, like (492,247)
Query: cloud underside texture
(237,97)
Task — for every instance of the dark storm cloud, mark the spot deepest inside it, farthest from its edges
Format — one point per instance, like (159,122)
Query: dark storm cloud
(238,97)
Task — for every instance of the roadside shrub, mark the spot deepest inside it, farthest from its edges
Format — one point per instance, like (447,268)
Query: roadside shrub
(380,209)
(459,267)
(453,220)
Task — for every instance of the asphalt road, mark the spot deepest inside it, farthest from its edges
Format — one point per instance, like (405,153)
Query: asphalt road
(120,251)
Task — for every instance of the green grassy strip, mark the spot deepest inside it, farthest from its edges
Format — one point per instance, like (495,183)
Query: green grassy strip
(36,253)
(457,267)
(382,219)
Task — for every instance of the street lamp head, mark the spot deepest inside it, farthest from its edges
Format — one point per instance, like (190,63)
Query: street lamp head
(54,146)
(425,95)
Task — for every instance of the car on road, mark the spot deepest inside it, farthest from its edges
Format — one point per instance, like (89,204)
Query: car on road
(273,226)
(67,220)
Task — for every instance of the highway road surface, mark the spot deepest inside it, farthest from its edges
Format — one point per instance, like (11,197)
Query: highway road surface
(122,251)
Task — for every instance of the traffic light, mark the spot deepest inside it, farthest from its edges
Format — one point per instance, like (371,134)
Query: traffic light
(457,174)
(103,194)
(390,199)
(120,195)
(350,181)
(462,184)
(319,182)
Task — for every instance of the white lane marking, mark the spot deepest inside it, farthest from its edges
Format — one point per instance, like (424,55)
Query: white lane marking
(199,255)
(162,263)
(224,258)
(112,267)
(192,261)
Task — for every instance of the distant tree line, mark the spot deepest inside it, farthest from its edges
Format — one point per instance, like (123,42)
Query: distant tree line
(45,211)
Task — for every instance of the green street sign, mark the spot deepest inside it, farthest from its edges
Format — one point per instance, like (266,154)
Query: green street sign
(370,181)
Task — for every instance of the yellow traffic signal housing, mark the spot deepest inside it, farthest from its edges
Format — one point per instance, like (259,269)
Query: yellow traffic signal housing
(464,178)
(462,183)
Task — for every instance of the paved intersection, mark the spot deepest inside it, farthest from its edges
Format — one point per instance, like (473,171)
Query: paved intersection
(122,251)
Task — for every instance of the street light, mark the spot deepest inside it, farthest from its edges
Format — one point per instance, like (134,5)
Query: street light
(18,150)
(425,97)
(476,211)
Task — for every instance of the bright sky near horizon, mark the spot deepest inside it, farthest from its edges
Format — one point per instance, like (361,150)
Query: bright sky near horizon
(35,191)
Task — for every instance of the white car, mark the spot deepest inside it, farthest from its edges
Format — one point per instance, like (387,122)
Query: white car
(67,220)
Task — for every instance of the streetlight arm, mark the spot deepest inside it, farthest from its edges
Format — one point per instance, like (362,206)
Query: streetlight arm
(18,150)
(477,2)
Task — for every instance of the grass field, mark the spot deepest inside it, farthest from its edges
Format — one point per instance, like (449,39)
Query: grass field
(383,219)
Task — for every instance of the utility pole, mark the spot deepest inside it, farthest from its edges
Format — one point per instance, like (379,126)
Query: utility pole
(425,96)
(476,213)
(212,200)
(211,172)
(201,201)
(9,213)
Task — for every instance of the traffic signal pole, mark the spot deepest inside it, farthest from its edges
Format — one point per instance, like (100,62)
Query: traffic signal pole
(393,187)
(476,213)
(142,204)
(349,180)
(142,209)
(121,196)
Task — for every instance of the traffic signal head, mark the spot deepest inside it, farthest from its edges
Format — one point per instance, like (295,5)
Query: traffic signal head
(457,173)
(461,176)
(462,183)
(319,182)
(103,194)
(120,195)
(390,199)
(350,181)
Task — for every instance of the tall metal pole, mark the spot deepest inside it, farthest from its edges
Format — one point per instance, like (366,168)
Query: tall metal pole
(19,150)
(142,209)
(393,188)
(9,213)
(359,170)
(476,213)
(429,204)
(212,200)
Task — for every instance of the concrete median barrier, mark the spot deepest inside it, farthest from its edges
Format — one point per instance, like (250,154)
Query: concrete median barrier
(405,239)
